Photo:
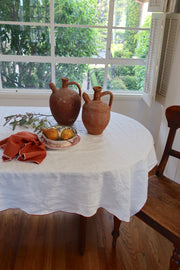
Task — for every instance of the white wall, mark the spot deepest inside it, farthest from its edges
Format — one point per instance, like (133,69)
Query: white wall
(137,109)
(172,98)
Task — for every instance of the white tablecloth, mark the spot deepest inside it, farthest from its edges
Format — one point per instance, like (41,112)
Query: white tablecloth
(108,170)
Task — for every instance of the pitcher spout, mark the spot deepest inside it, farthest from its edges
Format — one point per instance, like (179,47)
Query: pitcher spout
(53,87)
(86,98)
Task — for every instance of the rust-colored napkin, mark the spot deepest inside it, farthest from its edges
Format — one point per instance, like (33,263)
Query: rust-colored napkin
(25,146)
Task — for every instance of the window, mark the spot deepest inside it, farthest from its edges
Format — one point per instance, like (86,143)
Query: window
(92,42)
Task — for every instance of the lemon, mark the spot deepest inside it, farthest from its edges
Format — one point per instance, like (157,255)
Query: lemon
(67,134)
(51,133)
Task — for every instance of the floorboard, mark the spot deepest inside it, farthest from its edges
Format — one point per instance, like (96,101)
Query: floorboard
(51,243)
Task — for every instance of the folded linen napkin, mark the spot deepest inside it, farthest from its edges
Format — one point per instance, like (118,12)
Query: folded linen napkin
(25,146)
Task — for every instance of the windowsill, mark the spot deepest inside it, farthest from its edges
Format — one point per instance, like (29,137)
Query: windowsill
(41,98)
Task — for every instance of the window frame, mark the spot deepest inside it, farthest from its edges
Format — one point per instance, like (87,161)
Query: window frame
(9,92)
(156,67)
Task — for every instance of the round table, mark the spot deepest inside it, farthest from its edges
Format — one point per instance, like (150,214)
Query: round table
(108,170)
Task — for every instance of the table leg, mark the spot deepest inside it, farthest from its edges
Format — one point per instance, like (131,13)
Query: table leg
(175,259)
(115,232)
(82,234)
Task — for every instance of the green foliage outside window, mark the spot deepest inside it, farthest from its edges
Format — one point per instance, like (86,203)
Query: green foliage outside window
(69,42)
(142,51)
(30,11)
(135,44)
(26,40)
(132,20)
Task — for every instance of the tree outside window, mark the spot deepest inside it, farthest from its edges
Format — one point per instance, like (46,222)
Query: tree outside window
(44,40)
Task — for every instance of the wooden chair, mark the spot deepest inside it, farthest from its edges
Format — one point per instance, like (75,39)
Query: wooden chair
(162,209)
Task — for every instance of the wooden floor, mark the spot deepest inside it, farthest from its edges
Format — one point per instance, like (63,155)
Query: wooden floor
(51,243)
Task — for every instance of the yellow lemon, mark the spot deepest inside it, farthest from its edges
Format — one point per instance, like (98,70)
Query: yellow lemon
(51,133)
(67,134)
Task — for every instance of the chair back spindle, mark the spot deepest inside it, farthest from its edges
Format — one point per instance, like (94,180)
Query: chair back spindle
(173,119)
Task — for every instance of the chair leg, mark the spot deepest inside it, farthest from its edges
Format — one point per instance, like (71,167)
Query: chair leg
(82,234)
(115,232)
(175,259)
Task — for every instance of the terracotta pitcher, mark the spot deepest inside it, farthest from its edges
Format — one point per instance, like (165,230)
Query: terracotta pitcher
(65,103)
(95,113)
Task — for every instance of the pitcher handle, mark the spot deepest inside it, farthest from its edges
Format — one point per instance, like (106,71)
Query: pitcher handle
(77,86)
(111,97)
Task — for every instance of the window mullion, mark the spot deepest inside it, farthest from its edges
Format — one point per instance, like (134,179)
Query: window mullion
(52,41)
(72,60)
(24,23)
(108,45)
(131,28)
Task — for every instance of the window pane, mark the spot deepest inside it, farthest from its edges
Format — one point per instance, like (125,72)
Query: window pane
(129,43)
(25,10)
(86,75)
(96,73)
(130,13)
(83,12)
(126,77)
(25,75)
(80,42)
(24,40)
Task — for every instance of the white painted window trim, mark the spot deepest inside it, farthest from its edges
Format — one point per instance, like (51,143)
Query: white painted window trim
(153,58)
(158,29)
(172,30)
(162,5)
